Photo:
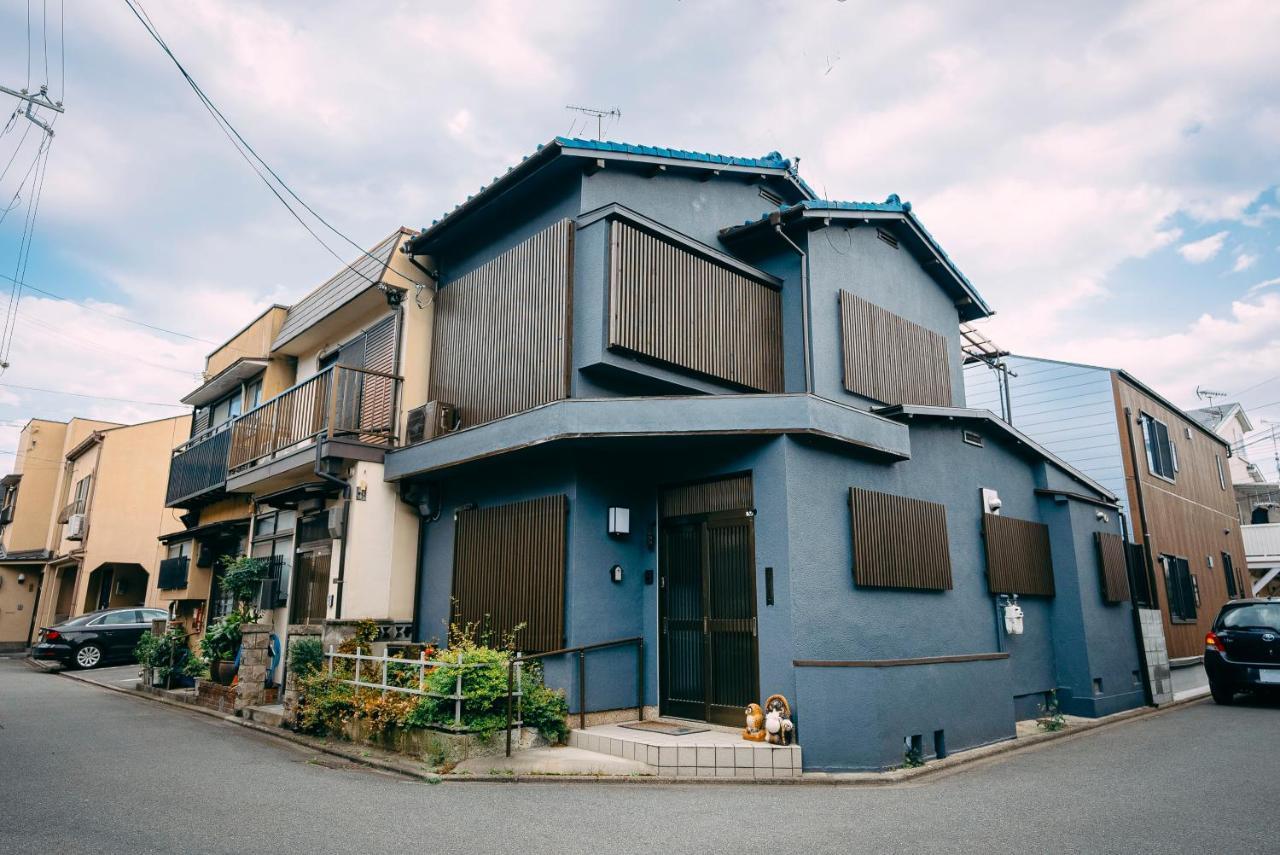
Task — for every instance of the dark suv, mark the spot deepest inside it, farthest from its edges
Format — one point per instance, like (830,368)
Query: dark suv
(1242,653)
(91,640)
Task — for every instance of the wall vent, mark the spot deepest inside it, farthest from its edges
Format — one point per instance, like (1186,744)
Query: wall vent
(771,197)
(887,237)
(972,438)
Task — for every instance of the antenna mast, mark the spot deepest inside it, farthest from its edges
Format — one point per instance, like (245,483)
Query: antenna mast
(600,116)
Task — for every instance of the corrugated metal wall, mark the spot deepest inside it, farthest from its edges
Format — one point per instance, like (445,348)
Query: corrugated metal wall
(1018,558)
(890,359)
(1115,577)
(706,497)
(684,310)
(508,569)
(501,342)
(899,542)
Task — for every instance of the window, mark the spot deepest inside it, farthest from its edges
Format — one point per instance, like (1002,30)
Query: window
(1222,476)
(226,409)
(273,540)
(120,618)
(1260,615)
(252,395)
(154,614)
(1180,588)
(1229,572)
(1162,453)
(180,550)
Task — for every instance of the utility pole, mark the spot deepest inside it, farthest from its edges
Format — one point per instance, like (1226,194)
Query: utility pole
(1275,446)
(599,114)
(34,100)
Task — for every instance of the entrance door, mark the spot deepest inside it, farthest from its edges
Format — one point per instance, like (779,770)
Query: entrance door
(309,598)
(104,587)
(709,655)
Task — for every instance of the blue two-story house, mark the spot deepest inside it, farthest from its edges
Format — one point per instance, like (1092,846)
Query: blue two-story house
(675,396)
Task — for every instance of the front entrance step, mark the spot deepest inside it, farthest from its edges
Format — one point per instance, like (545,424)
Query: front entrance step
(271,715)
(709,754)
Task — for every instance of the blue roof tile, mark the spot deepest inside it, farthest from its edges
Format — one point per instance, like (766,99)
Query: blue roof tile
(772,160)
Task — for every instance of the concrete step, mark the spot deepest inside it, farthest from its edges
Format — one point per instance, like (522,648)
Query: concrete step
(271,715)
(709,754)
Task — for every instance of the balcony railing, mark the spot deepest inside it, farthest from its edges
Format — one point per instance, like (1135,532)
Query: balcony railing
(199,464)
(341,402)
(1261,542)
(173,573)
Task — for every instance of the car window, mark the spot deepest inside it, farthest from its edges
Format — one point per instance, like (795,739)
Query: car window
(82,620)
(1255,615)
(119,618)
(154,614)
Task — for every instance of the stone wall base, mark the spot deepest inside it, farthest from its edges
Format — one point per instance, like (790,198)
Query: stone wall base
(441,748)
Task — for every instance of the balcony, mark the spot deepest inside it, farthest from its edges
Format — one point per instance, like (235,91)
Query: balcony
(1262,545)
(342,404)
(199,466)
(70,509)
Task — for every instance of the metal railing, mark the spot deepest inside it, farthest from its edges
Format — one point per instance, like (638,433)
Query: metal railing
(70,509)
(199,464)
(519,659)
(342,402)
(382,667)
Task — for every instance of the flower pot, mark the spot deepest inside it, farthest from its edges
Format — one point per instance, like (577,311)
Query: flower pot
(222,671)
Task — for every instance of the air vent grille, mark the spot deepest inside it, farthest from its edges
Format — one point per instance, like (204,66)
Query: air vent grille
(887,237)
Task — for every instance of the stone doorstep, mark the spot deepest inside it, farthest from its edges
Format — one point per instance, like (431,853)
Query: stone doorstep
(709,754)
(271,715)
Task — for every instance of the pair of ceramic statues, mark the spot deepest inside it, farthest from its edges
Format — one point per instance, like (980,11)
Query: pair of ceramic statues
(771,724)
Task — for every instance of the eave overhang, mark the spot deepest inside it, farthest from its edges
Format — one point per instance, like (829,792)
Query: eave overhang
(207,531)
(815,214)
(575,419)
(1012,434)
(225,380)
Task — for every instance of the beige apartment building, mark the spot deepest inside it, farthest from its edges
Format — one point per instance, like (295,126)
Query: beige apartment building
(106,514)
(284,461)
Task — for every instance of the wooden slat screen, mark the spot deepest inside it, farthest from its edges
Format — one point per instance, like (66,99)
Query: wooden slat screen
(1115,577)
(899,542)
(377,393)
(890,359)
(1018,557)
(678,308)
(726,494)
(501,341)
(508,569)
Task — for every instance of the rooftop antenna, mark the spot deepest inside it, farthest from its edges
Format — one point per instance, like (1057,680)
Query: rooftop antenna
(1208,394)
(600,115)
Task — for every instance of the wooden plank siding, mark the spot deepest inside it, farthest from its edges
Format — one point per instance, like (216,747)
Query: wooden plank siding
(890,359)
(1018,557)
(706,497)
(677,308)
(899,542)
(502,331)
(1192,517)
(1111,567)
(509,569)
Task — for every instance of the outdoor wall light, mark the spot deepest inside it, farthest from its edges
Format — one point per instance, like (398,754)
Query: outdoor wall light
(619,522)
(615,574)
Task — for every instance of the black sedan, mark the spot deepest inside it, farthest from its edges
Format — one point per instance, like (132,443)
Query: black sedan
(1242,653)
(96,638)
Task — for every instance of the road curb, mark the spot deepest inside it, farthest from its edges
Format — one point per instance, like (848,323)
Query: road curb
(954,763)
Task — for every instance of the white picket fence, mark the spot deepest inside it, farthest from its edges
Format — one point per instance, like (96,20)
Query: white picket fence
(369,667)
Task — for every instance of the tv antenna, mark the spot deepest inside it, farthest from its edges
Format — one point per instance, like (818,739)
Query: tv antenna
(600,115)
(1209,394)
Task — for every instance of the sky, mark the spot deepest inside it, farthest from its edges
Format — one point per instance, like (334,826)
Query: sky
(1107,174)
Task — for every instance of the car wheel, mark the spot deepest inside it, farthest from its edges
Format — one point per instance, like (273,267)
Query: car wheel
(1224,695)
(88,656)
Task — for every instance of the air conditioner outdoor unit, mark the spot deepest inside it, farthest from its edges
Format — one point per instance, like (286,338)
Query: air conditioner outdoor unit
(429,421)
(76,527)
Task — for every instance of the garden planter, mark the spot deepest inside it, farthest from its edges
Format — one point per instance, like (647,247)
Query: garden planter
(222,671)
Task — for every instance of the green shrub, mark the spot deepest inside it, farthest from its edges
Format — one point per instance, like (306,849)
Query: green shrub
(324,704)
(242,577)
(222,639)
(306,656)
(165,654)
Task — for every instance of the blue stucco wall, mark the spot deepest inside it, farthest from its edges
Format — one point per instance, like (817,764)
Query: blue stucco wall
(854,259)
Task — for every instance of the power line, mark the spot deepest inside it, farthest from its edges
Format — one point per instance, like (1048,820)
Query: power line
(95,397)
(79,342)
(238,141)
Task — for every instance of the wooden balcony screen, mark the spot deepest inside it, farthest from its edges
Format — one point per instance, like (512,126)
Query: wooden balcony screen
(1111,565)
(501,342)
(890,359)
(899,542)
(1018,556)
(705,497)
(509,568)
(672,306)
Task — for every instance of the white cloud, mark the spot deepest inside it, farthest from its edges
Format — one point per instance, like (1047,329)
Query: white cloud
(1262,286)
(459,122)
(1243,262)
(1200,251)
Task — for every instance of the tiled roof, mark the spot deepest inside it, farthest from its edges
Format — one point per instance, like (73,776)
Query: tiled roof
(1213,416)
(351,281)
(772,160)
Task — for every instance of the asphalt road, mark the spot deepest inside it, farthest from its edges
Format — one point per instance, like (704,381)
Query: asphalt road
(86,770)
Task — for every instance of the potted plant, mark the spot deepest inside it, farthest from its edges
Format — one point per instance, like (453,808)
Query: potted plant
(221,640)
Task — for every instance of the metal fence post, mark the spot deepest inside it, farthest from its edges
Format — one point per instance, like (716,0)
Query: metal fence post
(582,690)
(457,702)
(422,670)
(357,667)
(519,695)
(330,660)
(384,675)
(511,666)
(640,680)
